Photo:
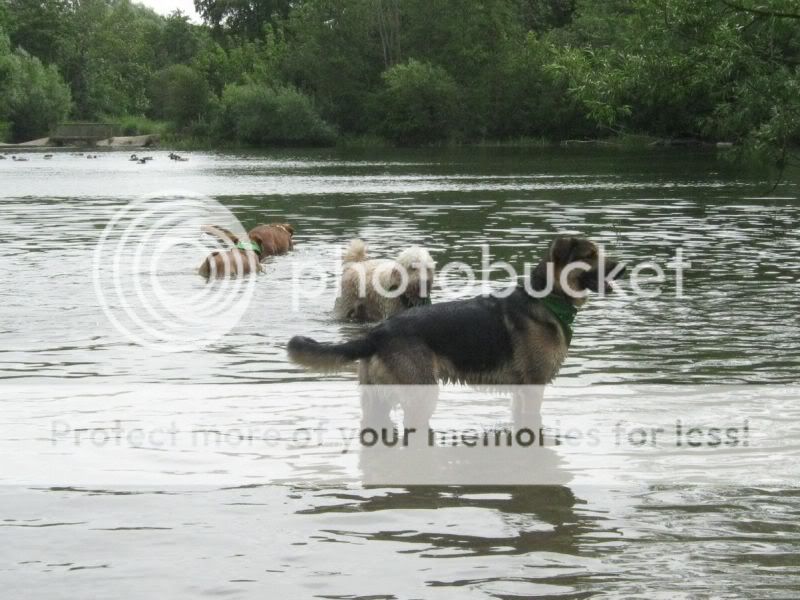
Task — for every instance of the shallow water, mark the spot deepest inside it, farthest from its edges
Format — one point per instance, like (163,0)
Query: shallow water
(735,323)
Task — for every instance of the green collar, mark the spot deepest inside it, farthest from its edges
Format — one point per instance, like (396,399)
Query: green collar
(249,245)
(563,311)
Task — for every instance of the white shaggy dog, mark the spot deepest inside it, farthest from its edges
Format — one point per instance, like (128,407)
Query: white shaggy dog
(376,289)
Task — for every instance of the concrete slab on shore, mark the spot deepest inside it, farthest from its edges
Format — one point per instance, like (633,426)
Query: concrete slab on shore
(131,141)
(41,142)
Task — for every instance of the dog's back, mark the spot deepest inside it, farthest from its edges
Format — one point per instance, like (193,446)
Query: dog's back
(229,263)
(275,238)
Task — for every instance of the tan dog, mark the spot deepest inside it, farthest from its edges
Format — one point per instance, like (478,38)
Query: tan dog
(246,257)
(376,289)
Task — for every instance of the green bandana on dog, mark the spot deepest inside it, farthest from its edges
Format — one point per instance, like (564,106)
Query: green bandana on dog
(563,311)
(249,245)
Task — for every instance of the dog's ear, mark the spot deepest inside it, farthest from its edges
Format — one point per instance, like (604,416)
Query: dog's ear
(288,228)
(395,278)
(562,250)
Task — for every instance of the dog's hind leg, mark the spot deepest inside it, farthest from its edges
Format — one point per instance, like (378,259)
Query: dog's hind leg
(411,366)
(377,402)
(377,398)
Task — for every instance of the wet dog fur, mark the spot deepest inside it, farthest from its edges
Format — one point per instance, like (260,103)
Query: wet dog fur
(361,297)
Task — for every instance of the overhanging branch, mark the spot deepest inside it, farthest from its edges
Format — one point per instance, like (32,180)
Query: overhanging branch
(761,12)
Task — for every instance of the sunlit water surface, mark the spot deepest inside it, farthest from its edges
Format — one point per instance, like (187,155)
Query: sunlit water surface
(735,323)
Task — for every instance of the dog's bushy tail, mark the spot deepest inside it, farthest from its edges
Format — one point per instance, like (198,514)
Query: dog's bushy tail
(356,251)
(328,357)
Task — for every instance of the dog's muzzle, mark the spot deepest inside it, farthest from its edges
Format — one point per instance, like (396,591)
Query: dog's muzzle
(602,280)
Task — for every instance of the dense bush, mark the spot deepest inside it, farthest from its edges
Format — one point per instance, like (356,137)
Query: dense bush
(533,100)
(179,94)
(33,98)
(419,104)
(261,115)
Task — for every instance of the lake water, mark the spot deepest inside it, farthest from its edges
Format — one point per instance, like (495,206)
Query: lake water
(296,523)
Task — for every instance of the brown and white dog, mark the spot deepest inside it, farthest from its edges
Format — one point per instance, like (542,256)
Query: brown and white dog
(375,289)
(262,241)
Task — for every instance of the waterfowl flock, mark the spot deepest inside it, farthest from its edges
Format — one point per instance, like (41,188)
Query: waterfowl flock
(142,160)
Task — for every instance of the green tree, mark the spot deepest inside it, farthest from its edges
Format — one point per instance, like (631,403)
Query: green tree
(261,115)
(468,38)
(544,15)
(179,94)
(5,50)
(245,18)
(33,97)
(530,98)
(336,55)
(38,27)
(257,60)
(108,56)
(696,68)
(419,104)
(178,41)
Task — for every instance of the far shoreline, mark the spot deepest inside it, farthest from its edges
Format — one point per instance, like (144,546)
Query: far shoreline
(177,142)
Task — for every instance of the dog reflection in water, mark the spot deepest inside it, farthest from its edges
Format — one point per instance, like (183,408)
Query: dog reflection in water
(421,453)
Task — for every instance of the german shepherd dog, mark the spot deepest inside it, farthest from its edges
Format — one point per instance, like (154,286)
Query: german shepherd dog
(520,338)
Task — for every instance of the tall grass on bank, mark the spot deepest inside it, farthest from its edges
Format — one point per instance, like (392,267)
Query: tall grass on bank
(140,125)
